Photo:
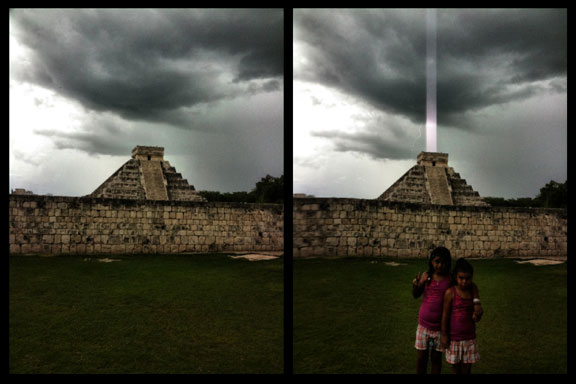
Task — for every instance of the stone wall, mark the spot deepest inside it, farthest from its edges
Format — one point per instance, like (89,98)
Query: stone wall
(85,225)
(329,227)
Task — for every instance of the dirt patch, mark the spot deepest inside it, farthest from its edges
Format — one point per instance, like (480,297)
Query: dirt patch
(256,257)
(539,262)
(388,263)
(105,260)
(393,264)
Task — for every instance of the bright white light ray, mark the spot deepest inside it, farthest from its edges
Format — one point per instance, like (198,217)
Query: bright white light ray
(431,80)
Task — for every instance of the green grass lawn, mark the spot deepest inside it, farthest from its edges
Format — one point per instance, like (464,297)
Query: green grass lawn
(145,314)
(358,316)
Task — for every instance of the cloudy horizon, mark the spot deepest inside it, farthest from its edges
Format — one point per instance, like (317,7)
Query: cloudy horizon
(360,99)
(87,86)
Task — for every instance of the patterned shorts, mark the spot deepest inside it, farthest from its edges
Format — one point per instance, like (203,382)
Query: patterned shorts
(465,351)
(425,338)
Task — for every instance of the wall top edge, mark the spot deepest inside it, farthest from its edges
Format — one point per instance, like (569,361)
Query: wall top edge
(134,202)
(416,206)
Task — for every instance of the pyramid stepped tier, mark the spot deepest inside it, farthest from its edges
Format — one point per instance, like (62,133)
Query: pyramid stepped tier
(177,187)
(147,176)
(410,188)
(125,183)
(432,181)
(462,193)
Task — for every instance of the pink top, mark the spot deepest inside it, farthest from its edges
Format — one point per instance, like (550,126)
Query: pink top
(462,325)
(430,315)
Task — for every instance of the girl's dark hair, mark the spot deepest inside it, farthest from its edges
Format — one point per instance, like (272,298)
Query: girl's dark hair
(462,265)
(444,255)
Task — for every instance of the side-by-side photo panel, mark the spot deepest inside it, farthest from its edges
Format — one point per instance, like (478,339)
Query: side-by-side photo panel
(429,191)
(146,206)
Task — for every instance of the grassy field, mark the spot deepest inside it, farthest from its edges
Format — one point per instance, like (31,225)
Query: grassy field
(145,314)
(358,316)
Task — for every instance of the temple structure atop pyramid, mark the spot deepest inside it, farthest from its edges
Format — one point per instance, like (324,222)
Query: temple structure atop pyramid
(147,176)
(432,181)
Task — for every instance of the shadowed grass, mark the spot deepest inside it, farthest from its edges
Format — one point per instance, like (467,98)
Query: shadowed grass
(358,316)
(146,314)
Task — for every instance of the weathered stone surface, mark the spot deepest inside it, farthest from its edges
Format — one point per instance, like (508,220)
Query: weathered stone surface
(333,227)
(86,225)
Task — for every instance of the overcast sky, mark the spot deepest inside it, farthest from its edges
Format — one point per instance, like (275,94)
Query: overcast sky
(87,86)
(360,98)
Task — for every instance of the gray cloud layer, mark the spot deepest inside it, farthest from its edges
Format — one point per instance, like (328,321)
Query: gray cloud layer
(152,65)
(485,57)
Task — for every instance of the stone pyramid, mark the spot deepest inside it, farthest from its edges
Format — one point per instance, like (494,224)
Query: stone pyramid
(147,176)
(432,181)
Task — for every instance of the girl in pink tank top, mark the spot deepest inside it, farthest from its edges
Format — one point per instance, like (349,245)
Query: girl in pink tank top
(432,285)
(458,320)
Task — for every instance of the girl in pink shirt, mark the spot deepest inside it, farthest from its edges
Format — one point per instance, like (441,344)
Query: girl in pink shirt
(458,333)
(432,285)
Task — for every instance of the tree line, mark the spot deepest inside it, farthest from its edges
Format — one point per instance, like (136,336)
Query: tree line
(552,195)
(269,189)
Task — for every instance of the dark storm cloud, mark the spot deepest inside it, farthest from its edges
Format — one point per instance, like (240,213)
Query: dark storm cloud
(369,143)
(377,56)
(99,136)
(152,65)
(485,57)
(398,141)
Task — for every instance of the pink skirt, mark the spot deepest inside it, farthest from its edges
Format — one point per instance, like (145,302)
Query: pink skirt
(465,351)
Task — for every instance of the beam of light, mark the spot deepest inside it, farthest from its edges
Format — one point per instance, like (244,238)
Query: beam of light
(431,80)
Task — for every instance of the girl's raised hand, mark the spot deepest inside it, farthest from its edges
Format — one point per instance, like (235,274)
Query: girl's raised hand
(416,280)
